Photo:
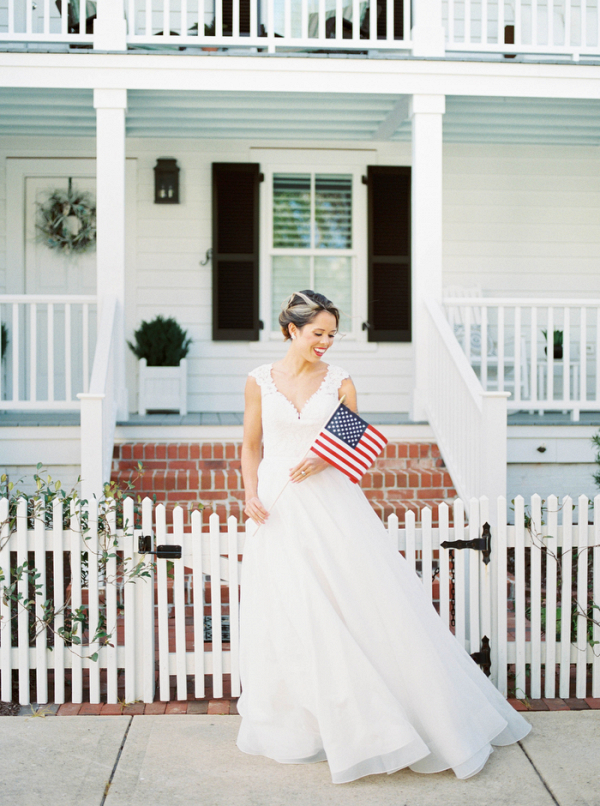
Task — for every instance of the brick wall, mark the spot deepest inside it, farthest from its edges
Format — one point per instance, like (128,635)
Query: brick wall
(409,475)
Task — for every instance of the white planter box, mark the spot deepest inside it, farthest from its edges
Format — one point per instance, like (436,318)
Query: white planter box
(162,387)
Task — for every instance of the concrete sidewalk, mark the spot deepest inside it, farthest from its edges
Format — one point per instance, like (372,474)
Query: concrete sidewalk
(192,760)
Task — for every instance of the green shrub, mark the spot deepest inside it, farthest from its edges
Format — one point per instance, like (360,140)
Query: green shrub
(162,342)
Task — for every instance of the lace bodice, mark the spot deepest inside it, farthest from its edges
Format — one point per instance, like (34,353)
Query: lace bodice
(288,433)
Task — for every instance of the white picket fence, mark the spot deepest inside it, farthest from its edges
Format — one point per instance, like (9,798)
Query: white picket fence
(515,600)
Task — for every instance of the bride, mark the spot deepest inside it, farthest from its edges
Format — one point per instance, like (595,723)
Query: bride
(342,657)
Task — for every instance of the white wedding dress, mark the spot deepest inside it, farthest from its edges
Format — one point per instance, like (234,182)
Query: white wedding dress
(342,656)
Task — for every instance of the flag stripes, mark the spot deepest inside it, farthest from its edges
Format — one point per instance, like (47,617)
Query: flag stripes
(349,443)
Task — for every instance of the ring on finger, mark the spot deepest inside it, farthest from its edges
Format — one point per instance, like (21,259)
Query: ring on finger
(303,472)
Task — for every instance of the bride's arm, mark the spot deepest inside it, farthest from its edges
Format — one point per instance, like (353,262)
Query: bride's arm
(313,464)
(251,450)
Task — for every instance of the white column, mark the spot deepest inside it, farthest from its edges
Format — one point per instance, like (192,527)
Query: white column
(426,113)
(110,108)
(427,34)
(110,28)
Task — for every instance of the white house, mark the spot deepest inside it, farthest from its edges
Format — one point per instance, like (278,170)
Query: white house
(433,168)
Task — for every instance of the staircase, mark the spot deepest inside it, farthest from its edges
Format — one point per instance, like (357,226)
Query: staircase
(407,476)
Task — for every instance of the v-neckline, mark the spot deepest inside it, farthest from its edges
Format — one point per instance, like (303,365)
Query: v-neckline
(307,401)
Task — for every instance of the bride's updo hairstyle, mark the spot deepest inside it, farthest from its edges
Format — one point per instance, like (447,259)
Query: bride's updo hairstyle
(302,307)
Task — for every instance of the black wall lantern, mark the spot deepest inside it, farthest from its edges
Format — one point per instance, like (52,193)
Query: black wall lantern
(166,182)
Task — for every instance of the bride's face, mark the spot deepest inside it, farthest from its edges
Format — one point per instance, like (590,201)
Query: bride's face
(315,338)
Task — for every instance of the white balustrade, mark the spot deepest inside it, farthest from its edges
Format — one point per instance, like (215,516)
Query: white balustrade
(507,341)
(469,422)
(49,340)
(518,609)
(523,26)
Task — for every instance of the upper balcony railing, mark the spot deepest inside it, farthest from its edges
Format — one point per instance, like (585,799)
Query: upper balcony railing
(494,28)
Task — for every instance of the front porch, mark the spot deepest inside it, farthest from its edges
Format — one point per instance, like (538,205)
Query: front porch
(519,190)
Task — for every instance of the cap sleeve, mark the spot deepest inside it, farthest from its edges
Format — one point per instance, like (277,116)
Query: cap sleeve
(335,376)
(262,375)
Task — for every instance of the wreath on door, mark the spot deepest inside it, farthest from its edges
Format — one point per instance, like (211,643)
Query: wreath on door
(67,220)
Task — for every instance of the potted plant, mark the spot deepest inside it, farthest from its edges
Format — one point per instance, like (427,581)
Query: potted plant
(558,343)
(161,346)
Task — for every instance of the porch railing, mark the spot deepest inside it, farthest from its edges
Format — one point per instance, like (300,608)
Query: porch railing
(501,27)
(275,24)
(569,27)
(469,422)
(47,342)
(545,352)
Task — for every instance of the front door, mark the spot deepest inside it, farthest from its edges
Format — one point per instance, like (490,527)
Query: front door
(52,271)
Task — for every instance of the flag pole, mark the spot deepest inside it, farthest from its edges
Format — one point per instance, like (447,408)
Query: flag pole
(280,493)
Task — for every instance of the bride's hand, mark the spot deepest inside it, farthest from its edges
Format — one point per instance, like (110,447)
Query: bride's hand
(255,510)
(308,467)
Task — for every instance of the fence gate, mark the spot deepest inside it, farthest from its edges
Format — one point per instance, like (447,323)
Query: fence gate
(523,599)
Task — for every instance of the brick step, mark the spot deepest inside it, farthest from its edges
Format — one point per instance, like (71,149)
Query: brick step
(407,476)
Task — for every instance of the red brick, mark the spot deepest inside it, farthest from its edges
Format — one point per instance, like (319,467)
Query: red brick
(537,705)
(576,704)
(205,480)
(111,709)
(184,451)
(218,480)
(400,495)
(161,451)
(232,480)
(218,707)
(170,481)
(207,450)
(213,495)
(414,480)
(413,450)
(424,450)
(230,452)
(402,450)
(184,495)
(155,708)
(218,451)
(593,702)
(193,480)
(90,709)
(69,709)
(176,707)
(172,451)
(134,709)
(138,451)
(183,464)
(435,451)
(367,481)
(556,704)
(116,451)
(429,493)
(425,479)
(391,450)
(149,450)
(126,451)
(518,705)
(194,451)
(197,707)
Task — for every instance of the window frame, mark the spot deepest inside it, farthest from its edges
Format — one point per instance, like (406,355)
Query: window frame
(358,252)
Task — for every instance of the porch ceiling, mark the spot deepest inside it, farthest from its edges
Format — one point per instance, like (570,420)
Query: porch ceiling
(305,116)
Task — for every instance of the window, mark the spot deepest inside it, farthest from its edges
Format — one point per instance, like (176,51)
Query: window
(312,242)
(314,227)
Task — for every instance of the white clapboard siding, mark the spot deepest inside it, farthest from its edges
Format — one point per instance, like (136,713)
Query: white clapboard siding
(513,601)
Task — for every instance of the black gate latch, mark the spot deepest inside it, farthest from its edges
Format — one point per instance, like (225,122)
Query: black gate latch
(484,656)
(482,544)
(162,552)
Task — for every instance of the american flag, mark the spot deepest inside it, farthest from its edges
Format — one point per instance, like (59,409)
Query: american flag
(349,443)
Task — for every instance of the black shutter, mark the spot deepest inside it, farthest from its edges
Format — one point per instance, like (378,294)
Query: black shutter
(235,251)
(389,253)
